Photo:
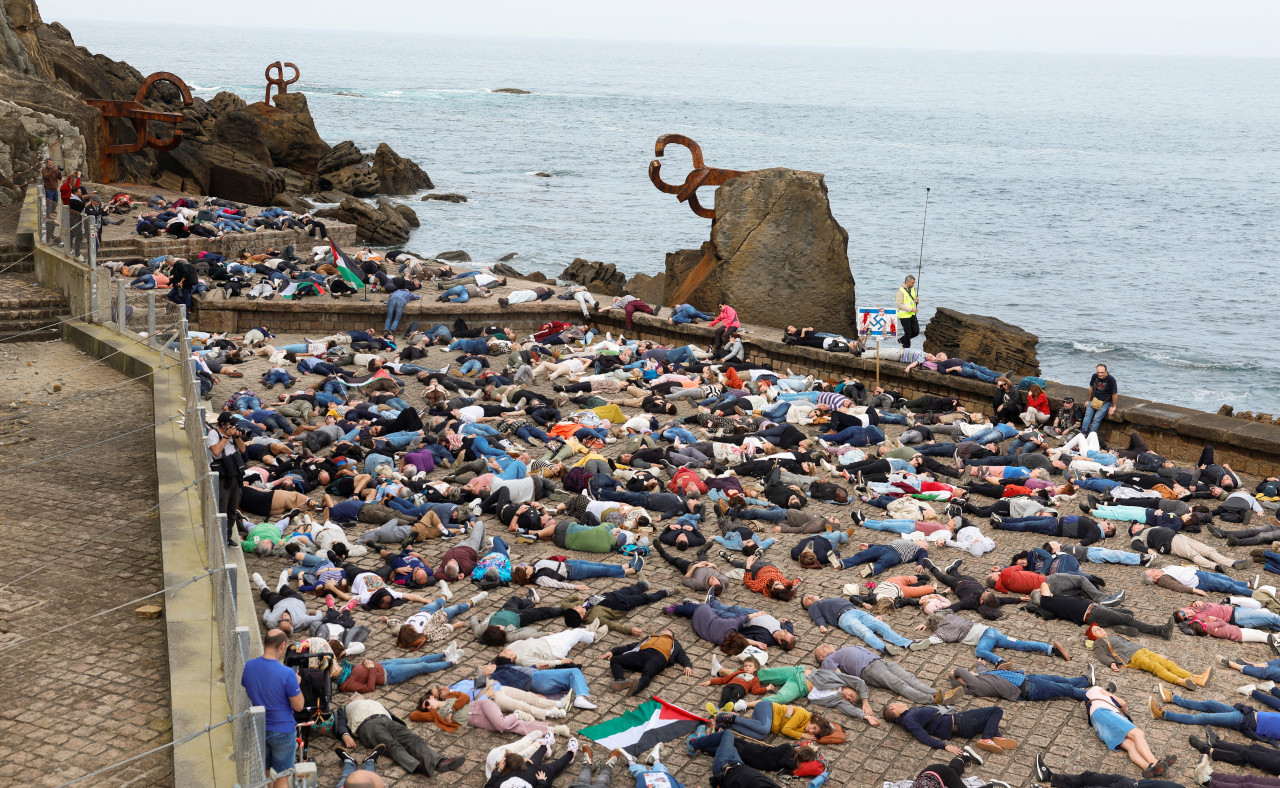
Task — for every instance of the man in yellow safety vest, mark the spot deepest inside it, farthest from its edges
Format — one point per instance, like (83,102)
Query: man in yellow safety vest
(908,305)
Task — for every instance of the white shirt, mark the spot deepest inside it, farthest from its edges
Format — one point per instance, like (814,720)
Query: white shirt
(484,280)
(470,414)
(1183,574)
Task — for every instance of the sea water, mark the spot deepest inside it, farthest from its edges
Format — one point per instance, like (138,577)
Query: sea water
(1124,209)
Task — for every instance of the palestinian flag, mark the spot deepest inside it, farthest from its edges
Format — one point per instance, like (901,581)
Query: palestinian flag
(652,722)
(346,267)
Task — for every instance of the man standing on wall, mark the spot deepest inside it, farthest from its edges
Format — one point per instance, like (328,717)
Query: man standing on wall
(908,305)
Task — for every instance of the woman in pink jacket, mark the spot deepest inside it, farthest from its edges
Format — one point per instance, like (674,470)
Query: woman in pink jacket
(726,324)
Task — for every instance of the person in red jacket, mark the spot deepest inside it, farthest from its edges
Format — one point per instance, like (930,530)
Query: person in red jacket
(726,324)
(687,482)
(1037,411)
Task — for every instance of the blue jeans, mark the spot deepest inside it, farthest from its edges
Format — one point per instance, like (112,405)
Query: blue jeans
(733,541)
(759,725)
(500,546)
(451,611)
(970,370)
(896,526)
(773,514)
(1255,619)
(481,448)
(727,749)
(834,537)
(678,433)
(549,682)
(401,670)
(349,768)
(585,570)
(1212,581)
(1036,525)
(1093,418)
(530,433)
(1103,555)
(395,310)
(880,556)
(305,563)
(729,611)
(862,624)
(470,366)
(641,775)
(480,429)
(1097,485)
(1044,687)
(439,332)
(687,314)
(855,436)
(893,418)
(282,750)
(1212,713)
(994,638)
(457,294)
(275,376)
(987,436)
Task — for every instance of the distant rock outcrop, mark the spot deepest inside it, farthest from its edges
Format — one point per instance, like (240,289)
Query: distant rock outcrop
(514,91)
(444,198)
(381,225)
(780,256)
(230,149)
(597,276)
(983,340)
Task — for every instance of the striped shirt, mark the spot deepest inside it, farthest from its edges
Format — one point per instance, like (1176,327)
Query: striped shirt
(833,400)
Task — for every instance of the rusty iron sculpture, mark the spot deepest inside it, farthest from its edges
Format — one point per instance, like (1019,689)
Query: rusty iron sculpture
(701,175)
(141,117)
(281,84)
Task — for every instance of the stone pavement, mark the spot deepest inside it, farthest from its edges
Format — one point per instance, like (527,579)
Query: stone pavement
(97,692)
(1058,728)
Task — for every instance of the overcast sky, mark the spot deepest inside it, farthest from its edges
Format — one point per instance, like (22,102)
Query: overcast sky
(1166,27)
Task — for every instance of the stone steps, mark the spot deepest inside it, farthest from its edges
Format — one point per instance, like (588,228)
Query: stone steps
(11,254)
(29,312)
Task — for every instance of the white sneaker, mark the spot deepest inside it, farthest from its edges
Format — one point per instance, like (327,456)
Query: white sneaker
(572,745)
(556,714)
(564,702)
(549,741)
(533,594)
(1247,689)
(451,651)
(1266,686)
(445,590)
(284,579)
(490,542)
(850,589)
(740,706)
(480,597)
(654,755)
(582,703)
(445,369)
(258,581)
(524,715)
(561,730)
(355,648)
(715,665)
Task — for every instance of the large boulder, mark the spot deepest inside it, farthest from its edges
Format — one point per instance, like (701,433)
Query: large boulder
(404,211)
(344,154)
(780,256)
(225,101)
(239,129)
(19,44)
(444,198)
(223,171)
(348,170)
(290,133)
(398,175)
(380,225)
(983,340)
(650,289)
(596,276)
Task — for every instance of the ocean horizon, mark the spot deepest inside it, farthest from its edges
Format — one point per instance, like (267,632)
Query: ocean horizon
(1124,208)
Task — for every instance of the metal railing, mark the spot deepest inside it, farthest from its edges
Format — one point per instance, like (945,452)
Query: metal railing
(153,320)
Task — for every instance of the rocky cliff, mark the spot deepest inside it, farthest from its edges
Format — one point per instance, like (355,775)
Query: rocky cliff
(984,340)
(256,153)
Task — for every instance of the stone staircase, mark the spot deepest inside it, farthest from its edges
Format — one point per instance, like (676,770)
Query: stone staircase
(15,259)
(27,310)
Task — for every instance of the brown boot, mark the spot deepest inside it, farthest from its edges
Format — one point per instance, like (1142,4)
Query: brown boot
(1005,744)
(1203,678)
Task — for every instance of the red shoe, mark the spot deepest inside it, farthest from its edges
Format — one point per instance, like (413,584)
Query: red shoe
(328,600)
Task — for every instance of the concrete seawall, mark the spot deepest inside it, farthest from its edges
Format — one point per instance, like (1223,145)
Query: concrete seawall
(1174,431)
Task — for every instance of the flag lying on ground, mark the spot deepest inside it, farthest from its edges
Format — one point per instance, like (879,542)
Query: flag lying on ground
(652,722)
(349,271)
